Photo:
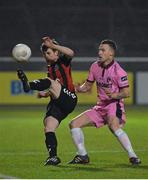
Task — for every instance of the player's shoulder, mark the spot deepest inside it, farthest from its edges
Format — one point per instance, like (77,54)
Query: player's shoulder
(93,66)
(95,63)
(118,68)
(63,59)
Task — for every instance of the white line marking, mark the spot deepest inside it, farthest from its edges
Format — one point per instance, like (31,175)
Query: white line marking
(116,151)
(2,176)
(44,153)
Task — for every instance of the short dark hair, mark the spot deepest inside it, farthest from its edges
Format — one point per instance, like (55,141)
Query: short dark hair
(44,48)
(111,43)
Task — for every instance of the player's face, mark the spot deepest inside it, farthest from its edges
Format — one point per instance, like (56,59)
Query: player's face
(50,56)
(105,53)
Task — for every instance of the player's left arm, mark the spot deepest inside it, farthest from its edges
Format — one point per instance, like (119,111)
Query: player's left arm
(123,85)
(123,93)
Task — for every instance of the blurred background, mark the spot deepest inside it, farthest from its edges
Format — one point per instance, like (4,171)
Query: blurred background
(80,25)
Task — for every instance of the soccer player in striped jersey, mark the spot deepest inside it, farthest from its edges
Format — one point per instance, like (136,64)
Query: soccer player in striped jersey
(112,87)
(59,86)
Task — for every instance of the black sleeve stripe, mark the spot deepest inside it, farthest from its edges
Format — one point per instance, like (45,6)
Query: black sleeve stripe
(65,60)
(124,87)
(63,74)
(53,73)
(90,81)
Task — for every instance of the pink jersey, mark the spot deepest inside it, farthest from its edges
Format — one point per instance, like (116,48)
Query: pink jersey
(112,77)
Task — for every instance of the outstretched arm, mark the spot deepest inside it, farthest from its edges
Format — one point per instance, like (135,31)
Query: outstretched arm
(65,50)
(84,87)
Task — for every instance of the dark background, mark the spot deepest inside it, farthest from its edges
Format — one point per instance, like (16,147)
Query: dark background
(79,24)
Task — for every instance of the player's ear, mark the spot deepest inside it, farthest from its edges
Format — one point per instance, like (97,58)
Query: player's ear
(112,53)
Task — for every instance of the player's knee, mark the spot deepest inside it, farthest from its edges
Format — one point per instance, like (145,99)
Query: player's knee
(49,129)
(113,125)
(72,124)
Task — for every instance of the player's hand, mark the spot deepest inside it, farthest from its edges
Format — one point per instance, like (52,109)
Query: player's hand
(77,87)
(42,94)
(108,92)
(48,42)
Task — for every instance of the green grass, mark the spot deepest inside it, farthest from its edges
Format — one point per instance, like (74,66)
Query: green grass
(22,148)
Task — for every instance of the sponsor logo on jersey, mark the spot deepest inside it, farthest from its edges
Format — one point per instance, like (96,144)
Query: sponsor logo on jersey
(104,83)
(66,91)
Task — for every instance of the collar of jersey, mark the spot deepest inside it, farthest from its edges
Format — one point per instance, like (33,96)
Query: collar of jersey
(109,65)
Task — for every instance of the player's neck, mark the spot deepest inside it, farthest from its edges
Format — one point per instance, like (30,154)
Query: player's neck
(108,62)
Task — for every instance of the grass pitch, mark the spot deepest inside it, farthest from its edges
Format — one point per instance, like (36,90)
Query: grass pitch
(22,148)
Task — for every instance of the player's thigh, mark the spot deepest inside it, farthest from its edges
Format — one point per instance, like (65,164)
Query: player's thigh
(80,121)
(55,88)
(115,116)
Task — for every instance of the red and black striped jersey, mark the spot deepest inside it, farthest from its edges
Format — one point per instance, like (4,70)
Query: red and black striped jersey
(62,70)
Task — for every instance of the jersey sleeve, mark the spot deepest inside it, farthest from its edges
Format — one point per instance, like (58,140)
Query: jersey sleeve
(91,77)
(122,78)
(65,59)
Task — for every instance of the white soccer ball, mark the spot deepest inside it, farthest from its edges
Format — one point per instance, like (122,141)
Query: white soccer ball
(21,53)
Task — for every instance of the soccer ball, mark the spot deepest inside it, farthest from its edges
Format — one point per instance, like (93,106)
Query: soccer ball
(21,53)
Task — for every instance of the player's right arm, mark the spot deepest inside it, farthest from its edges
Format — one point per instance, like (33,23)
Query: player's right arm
(85,87)
(62,49)
(43,94)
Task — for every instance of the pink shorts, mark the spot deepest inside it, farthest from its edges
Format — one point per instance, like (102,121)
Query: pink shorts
(99,113)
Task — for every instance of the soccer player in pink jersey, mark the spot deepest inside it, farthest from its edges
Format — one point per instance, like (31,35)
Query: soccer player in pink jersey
(112,87)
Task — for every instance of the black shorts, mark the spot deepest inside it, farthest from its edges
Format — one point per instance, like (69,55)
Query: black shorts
(64,105)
